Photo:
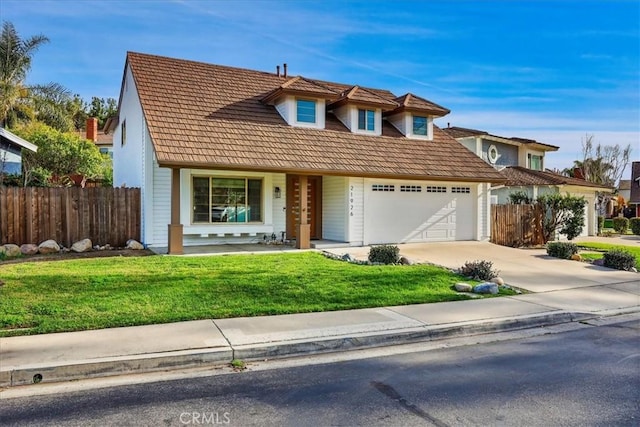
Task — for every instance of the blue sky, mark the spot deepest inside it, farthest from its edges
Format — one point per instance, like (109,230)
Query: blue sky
(548,70)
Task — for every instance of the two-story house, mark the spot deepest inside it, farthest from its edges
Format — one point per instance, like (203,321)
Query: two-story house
(522,163)
(229,155)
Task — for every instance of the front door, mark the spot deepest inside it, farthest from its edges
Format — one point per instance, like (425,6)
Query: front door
(314,203)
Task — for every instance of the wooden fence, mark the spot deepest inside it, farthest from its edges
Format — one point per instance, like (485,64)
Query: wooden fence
(516,225)
(66,215)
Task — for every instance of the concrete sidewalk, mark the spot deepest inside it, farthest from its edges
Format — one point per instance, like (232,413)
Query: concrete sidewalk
(562,291)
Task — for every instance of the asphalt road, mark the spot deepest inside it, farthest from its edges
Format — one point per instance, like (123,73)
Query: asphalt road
(586,377)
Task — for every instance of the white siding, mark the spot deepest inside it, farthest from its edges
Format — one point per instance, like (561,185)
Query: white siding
(334,208)
(127,159)
(279,205)
(355,211)
(398,122)
(161,205)
(483,202)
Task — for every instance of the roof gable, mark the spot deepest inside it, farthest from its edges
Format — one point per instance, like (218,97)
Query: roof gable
(360,96)
(411,102)
(209,116)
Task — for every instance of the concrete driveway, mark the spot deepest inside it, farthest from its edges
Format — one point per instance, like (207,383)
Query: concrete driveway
(529,269)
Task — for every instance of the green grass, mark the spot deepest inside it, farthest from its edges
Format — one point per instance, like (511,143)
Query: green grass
(603,247)
(43,297)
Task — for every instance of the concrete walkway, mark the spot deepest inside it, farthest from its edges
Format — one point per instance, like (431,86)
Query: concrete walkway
(565,291)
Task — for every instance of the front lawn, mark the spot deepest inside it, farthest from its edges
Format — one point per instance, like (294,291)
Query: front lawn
(43,297)
(603,247)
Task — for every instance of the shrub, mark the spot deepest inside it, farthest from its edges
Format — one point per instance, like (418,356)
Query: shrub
(619,259)
(620,225)
(634,223)
(608,223)
(478,270)
(562,249)
(520,198)
(384,254)
(600,224)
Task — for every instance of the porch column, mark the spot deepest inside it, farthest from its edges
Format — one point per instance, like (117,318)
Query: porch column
(303,238)
(175,228)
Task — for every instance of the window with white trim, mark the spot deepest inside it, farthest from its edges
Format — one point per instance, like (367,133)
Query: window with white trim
(366,119)
(226,200)
(410,188)
(463,190)
(420,125)
(436,189)
(383,187)
(535,162)
(305,111)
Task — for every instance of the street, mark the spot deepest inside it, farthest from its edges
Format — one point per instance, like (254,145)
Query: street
(588,376)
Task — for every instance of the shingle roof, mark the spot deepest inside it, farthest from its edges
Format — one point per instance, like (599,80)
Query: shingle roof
(301,86)
(624,184)
(360,95)
(210,116)
(412,102)
(519,176)
(459,132)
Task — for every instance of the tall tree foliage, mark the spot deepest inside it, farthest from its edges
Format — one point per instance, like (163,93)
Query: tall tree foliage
(15,63)
(600,164)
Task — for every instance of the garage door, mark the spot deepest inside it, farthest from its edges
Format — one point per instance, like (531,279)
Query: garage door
(403,213)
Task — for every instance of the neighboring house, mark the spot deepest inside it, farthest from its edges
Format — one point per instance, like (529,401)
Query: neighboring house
(11,146)
(521,162)
(226,155)
(634,192)
(103,141)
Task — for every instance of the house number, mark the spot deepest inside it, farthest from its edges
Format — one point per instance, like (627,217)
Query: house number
(351,202)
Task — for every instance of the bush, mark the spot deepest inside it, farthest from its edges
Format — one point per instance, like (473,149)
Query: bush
(600,224)
(562,249)
(384,254)
(634,223)
(478,270)
(619,259)
(620,225)
(608,223)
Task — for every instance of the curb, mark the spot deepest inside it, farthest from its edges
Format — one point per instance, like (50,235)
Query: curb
(143,363)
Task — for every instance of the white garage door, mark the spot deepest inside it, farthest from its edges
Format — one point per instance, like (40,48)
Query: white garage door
(398,213)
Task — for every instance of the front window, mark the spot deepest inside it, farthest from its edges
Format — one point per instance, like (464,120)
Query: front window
(227,200)
(419,125)
(366,120)
(306,111)
(535,162)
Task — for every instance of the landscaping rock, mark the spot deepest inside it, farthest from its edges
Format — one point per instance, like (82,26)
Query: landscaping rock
(11,250)
(405,261)
(463,287)
(486,288)
(576,257)
(29,249)
(49,247)
(134,244)
(498,281)
(83,245)
(346,257)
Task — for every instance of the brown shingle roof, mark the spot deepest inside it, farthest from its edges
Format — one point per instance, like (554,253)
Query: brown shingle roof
(301,86)
(210,116)
(360,95)
(412,102)
(519,176)
(459,132)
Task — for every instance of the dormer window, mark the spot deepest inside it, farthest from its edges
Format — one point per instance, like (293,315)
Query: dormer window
(535,162)
(305,111)
(420,125)
(366,120)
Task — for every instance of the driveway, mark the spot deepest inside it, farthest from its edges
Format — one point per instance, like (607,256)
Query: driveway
(529,269)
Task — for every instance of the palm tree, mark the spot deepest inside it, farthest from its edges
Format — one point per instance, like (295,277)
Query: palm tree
(15,63)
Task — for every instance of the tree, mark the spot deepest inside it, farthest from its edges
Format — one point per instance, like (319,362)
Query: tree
(102,109)
(15,63)
(59,155)
(602,165)
(563,214)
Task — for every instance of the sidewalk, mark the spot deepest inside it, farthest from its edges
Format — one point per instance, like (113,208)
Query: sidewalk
(87,354)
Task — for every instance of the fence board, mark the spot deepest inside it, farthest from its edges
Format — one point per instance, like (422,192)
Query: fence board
(102,214)
(516,225)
